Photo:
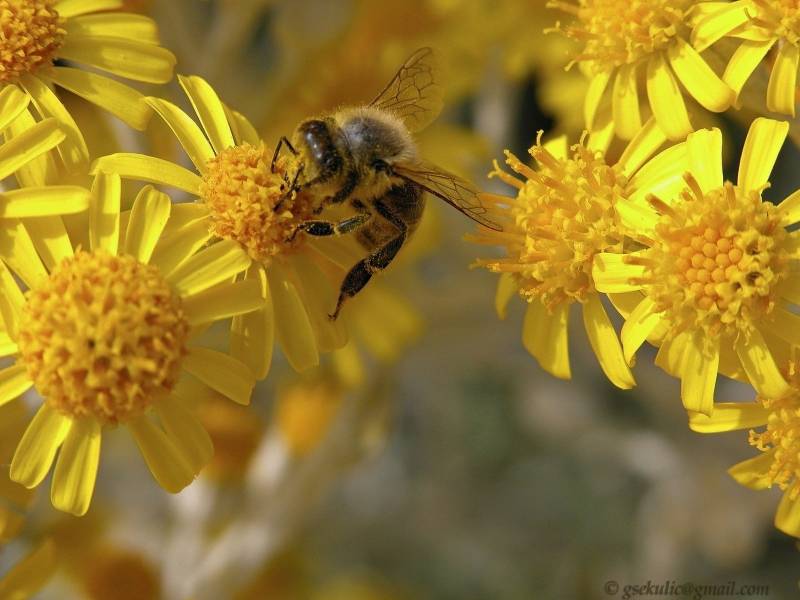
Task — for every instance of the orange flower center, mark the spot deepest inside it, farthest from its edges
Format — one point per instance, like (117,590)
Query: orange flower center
(32,33)
(779,17)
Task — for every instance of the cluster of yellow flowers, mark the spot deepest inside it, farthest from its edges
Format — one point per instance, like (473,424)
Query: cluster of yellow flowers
(703,268)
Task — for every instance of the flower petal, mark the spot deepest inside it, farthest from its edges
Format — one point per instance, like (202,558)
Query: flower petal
(17,247)
(605,343)
(638,326)
(186,432)
(209,110)
(784,324)
(210,266)
(699,368)
(148,168)
(73,8)
(167,464)
(713,27)
(14,381)
(38,446)
(30,574)
(123,25)
(666,99)
(506,289)
(594,94)
(124,58)
(293,326)
(612,275)
(637,218)
(318,296)
(787,517)
(253,333)
(44,201)
(221,372)
(729,416)
(761,148)
(544,335)
(744,61)
(698,78)
(242,129)
(11,301)
(649,139)
(76,467)
(13,101)
(662,175)
(147,219)
(39,169)
(754,472)
(186,130)
(50,238)
(782,85)
(120,100)
(625,102)
(223,301)
(104,212)
(759,365)
(22,148)
(705,158)
(177,246)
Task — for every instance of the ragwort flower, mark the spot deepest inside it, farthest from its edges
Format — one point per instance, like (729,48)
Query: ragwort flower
(626,41)
(762,25)
(778,463)
(716,270)
(241,201)
(104,334)
(565,214)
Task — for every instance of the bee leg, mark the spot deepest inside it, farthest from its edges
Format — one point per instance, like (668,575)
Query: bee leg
(292,187)
(281,142)
(325,228)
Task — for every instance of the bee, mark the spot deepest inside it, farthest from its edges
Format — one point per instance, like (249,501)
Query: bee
(366,156)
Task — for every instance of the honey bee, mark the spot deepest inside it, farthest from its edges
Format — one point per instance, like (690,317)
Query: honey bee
(367,157)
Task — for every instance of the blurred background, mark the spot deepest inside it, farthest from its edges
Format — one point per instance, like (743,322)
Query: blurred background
(432,458)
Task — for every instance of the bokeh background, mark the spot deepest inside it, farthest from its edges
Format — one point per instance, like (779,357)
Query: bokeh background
(442,463)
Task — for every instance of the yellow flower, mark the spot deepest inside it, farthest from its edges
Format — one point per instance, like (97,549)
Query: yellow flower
(626,42)
(761,25)
(30,574)
(305,412)
(38,35)
(103,335)
(714,276)
(778,464)
(237,194)
(563,215)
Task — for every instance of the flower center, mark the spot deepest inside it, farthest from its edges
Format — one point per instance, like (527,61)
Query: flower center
(102,336)
(717,259)
(779,17)
(620,32)
(247,201)
(32,32)
(118,573)
(563,215)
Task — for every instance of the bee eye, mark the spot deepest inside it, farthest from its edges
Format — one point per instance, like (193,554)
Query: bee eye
(380,165)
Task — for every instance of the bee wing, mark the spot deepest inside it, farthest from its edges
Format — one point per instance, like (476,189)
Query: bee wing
(414,94)
(454,190)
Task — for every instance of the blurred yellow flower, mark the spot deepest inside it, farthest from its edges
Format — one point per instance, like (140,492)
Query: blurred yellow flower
(30,574)
(715,274)
(103,336)
(623,42)
(235,432)
(762,25)
(14,499)
(779,444)
(110,571)
(304,413)
(564,214)
(237,195)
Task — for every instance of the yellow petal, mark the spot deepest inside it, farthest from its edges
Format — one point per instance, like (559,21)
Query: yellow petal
(149,169)
(662,175)
(13,101)
(38,446)
(754,472)
(209,110)
(14,381)
(125,58)
(243,131)
(76,468)
(544,335)
(761,148)
(223,301)
(209,267)
(558,146)
(670,354)
(20,253)
(506,289)
(699,368)
(612,275)
(605,343)
(73,150)
(73,8)
(120,100)
(638,327)
(594,94)
(169,467)
(637,218)
(649,139)
(602,135)
(698,78)
(349,366)
(148,216)
(705,158)
(319,297)
(719,23)
(11,301)
(7,347)
(787,518)
(222,373)
(666,99)
(22,148)
(385,338)
(187,434)
(784,324)
(50,238)
(186,130)
(782,85)
(729,416)
(38,169)
(625,102)
(104,212)
(123,25)
(744,61)
(760,366)
(253,333)
(177,246)
(293,327)
(30,574)
(44,201)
